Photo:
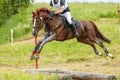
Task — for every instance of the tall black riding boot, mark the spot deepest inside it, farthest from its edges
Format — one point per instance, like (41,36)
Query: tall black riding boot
(74,30)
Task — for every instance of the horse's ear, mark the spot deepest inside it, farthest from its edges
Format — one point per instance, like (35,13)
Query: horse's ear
(37,11)
(33,12)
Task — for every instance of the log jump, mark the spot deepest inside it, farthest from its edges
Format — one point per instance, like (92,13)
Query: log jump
(72,75)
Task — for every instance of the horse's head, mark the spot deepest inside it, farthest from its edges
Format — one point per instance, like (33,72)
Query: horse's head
(37,23)
(40,17)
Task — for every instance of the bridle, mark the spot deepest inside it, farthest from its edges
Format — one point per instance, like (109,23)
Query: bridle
(45,21)
(41,21)
(34,22)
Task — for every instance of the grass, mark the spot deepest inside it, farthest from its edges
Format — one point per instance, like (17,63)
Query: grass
(17,75)
(68,54)
(94,11)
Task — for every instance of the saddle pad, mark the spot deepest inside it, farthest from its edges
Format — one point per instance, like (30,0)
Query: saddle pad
(77,23)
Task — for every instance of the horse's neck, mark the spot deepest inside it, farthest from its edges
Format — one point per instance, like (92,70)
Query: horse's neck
(54,22)
(55,19)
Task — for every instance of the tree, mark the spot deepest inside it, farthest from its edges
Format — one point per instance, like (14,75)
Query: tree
(10,7)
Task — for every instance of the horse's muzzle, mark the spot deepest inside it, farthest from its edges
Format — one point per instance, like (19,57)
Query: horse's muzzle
(34,33)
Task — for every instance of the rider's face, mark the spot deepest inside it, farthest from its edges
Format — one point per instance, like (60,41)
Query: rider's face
(56,0)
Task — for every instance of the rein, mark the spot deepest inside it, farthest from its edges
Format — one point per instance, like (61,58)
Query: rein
(46,20)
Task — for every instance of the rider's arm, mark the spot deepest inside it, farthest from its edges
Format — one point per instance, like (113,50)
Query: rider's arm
(61,9)
(50,8)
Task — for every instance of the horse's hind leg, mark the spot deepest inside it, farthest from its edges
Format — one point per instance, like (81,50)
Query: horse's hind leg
(103,47)
(97,52)
(87,41)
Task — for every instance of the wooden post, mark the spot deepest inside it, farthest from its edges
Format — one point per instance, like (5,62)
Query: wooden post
(36,53)
(118,13)
(12,37)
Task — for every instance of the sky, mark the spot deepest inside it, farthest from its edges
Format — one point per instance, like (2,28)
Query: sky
(114,1)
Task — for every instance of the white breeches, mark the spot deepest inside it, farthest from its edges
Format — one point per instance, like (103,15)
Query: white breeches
(67,15)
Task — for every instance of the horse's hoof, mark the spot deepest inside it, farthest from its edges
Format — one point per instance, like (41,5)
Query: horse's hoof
(100,54)
(32,58)
(110,55)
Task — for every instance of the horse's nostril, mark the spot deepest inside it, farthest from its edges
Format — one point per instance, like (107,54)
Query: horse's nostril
(34,33)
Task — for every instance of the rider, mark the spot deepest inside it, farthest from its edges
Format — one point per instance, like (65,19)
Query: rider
(62,8)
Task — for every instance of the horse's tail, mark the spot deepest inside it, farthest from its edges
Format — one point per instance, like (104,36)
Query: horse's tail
(99,34)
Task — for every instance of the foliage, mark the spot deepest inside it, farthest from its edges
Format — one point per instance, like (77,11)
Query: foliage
(21,23)
(11,7)
(16,23)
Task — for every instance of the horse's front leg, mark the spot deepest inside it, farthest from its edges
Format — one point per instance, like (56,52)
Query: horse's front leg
(40,45)
(35,50)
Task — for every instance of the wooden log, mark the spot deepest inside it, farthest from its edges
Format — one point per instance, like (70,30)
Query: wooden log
(73,75)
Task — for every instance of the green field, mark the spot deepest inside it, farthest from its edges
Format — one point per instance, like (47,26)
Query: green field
(70,54)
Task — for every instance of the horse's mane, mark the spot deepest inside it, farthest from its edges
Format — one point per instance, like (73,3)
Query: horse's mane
(44,9)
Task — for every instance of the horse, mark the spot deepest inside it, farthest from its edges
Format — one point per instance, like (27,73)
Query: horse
(55,30)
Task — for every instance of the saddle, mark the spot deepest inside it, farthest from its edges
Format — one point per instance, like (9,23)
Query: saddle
(66,24)
(68,27)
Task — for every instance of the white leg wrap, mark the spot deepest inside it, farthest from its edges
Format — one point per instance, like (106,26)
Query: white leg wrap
(110,55)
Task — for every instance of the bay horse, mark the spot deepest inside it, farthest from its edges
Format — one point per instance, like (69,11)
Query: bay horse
(55,30)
